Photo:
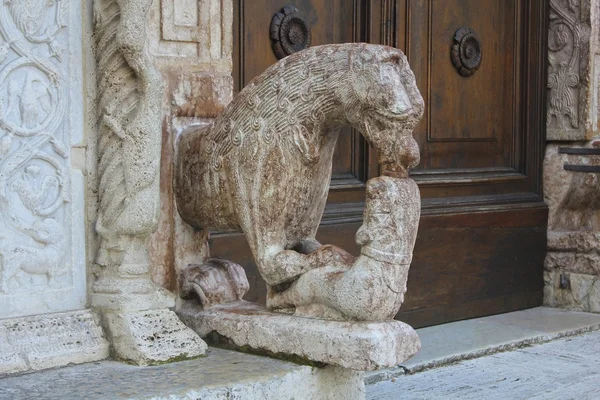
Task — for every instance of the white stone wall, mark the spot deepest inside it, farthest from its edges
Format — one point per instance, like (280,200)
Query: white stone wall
(42,189)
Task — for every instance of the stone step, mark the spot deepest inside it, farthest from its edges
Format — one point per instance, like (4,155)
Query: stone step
(227,374)
(221,374)
(463,340)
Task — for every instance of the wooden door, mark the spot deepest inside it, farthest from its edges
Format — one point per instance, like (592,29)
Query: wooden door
(481,241)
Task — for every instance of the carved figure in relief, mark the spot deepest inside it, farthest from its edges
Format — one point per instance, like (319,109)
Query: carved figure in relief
(564,46)
(34,190)
(45,260)
(34,183)
(264,167)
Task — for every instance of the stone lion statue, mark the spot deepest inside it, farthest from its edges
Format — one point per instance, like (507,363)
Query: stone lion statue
(264,167)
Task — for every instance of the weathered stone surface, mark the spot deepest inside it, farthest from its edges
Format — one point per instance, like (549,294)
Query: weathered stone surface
(354,345)
(572,291)
(42,256)
(586,241)
(573,197)
(51,340)
(573,260)
(201,95)
(129,108)
(213,282)
(221,375)
(152,337)
(582,263)
(572,75)
(264,166)
(195,31)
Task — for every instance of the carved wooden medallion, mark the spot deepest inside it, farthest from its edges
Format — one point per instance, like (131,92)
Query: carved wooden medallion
(289,32)
(466,53)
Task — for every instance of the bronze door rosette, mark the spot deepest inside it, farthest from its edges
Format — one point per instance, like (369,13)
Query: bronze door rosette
(466,52)
(289,32)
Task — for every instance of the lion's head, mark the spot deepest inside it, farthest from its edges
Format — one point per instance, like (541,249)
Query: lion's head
(388,105)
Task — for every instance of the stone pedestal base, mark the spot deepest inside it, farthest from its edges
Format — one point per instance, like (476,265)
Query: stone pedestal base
(50,340)
(353,345)
(142,328)
(152,337)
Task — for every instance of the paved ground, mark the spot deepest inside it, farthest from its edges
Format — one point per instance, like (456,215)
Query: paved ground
(563,369)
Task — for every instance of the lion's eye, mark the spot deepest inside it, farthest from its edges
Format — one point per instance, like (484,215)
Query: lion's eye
(379,217)
(388,73)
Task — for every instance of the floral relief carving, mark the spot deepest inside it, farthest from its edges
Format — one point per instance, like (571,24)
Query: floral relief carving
(34,182)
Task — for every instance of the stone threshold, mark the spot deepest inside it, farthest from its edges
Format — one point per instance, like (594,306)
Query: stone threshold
(229,374)
(220,374)
(463,340)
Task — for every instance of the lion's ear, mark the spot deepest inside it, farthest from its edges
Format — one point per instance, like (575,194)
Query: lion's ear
(362,236)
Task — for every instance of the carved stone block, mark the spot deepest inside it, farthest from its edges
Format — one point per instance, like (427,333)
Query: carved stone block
(572,79)
(362,346)
(47,341)
(153,337)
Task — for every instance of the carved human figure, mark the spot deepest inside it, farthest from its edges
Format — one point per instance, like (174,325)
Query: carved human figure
(372,286)
(264,166)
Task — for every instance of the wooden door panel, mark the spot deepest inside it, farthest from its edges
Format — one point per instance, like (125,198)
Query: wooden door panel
(482,234)
(478,108)
(471,124)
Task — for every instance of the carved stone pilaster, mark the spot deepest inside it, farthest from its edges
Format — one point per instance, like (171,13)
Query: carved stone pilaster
(129,143)
(42,254)
(572,48)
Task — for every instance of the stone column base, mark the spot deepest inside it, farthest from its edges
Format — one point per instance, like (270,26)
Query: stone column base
(50,340)
(142,329)
(152,337)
